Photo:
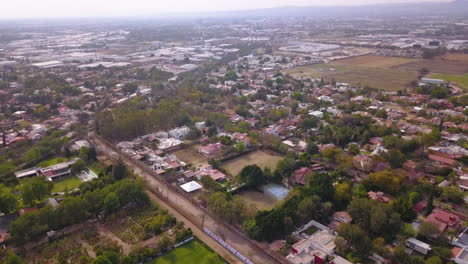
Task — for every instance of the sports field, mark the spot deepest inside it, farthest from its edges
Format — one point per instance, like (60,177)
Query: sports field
(67,183)
(385,73)
(192,252)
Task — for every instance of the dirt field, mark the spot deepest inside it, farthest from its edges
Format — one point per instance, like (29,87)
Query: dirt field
(191,155)
(258,199)
(385,73)
(437,66)
(260,158)
(381,78)
(456,57)
(374,61)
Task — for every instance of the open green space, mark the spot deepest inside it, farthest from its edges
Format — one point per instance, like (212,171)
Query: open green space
(68,183)
(461,80)
(50,162)
(192,252)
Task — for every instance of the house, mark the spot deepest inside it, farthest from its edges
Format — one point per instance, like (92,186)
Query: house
(209,171)
(314,249)
(444,219)
(460,255)
(339,218)
(418,245)
(169,144)
(318,114)
(211,149)
(362,162)
(27,173)
(378,196)
(179,132)
(58,170)
(299,175)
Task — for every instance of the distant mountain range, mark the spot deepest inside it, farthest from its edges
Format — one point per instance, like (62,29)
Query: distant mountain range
(454,8)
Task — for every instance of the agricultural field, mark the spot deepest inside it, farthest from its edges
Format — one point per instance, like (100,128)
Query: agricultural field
(67,183)
(260,158)
(191,252)
(385,73)
(191,155)
(132,230)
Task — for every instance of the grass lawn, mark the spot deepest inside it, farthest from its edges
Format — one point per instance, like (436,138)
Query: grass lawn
(50,162)
(459,79)
(192,252)
(67,183)
(191,155)
(260,158)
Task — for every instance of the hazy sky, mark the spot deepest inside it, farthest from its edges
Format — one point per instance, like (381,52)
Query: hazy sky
(108,8)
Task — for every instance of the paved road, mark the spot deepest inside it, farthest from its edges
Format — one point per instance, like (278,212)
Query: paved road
(193,216)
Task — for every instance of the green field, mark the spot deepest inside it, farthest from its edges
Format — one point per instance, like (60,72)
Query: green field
(192,252)
(461,80)
(68,183)
(50,162)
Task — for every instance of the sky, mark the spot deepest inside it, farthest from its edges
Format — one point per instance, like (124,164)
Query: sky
(112,8)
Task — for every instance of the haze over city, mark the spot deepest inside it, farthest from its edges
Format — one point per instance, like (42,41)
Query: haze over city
(233,131)
(115,8)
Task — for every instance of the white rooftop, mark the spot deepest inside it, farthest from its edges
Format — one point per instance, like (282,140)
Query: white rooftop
(191,186)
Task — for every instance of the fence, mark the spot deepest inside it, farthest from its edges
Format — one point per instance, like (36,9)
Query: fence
(227,246)
(254,244)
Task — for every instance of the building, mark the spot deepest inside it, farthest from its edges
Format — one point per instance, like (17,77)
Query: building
(191,186)
(444,219)
(59,170)
(379,197)
(211,149)
(314,249)
(179,133)
(418,245)
(339,218)
(426,81)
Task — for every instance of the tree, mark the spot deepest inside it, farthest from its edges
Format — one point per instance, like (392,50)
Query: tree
(101,260)
(453,194)
(395,157)
(8,203)
(386,181)
(252,176)
(356,238)
(354,149)
(128,260)
(343,195)
(434,260)
(111,203)
(428,230)
(14,259)
(78,166)
(240,147)
(32,190)
(312,148)
(119,171)
(129,88)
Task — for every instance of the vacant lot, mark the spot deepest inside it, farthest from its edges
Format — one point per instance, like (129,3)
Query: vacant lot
(260,200)
(461,80)
(68,183)
(191,155)
(260,158)
(374,61)
(192,252)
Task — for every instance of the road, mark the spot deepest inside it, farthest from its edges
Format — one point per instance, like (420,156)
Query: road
(193,216)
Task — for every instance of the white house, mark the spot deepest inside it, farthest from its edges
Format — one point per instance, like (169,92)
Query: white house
(179,132)
(418,245)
